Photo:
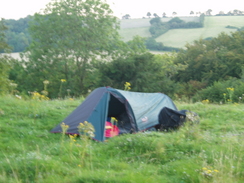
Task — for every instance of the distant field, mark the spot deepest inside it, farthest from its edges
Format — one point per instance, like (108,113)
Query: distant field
(133,27)
(213,26)
(128,34)
(145,22)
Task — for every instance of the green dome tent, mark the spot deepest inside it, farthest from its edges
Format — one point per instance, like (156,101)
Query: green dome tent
(135,111)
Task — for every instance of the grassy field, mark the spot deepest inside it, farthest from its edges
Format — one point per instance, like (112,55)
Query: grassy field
(145,22)
(213,25)
(129,33)
(133,27)
(209,152)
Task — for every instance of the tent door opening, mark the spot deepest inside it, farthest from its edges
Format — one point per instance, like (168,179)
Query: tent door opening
(117,109)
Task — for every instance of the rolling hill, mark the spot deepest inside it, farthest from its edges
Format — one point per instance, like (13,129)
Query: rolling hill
(213,25)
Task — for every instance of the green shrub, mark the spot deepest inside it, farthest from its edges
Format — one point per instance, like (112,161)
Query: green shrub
(219,92)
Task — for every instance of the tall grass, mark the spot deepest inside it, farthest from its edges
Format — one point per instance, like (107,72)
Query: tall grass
(209,152)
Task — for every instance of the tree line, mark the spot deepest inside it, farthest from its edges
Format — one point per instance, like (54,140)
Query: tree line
(17,34)
(234,12)
(73,52)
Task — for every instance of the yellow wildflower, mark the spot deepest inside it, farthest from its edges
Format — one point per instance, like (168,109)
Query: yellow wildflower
(127,86)
(209,171)
(127,83)
(231,89)
(205,101)
(64,127)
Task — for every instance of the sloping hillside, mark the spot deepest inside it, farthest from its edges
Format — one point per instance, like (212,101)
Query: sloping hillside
(213,26)
(145,22)
(132,27)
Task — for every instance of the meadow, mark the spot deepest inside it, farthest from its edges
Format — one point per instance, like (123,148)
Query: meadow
(213,26)
(211,151)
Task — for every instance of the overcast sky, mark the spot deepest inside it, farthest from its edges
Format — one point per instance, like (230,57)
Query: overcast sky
(15,9)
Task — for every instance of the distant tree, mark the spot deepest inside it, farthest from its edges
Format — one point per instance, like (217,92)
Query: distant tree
(229,13)
(149,14)
(221,13)
(155,15)
(237,12)
(208,12)
(174,13)
(192,13)
(127,16)
(164,14)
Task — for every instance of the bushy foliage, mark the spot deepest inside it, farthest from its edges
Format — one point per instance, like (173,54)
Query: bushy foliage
(5,67)
(139,70)
(219,92)
(158,28)
(190,88)
(152,44)
(136,46)
(156,20)
(145,72)
(214,60)
(17,34)
(171,49)
(5,60)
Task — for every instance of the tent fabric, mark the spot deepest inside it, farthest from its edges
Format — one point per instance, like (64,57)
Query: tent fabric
(134,111)
(146,107)
(90,110)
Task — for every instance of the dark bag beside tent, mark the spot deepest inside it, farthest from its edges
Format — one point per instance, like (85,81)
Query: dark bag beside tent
(170,119)
(134,111)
